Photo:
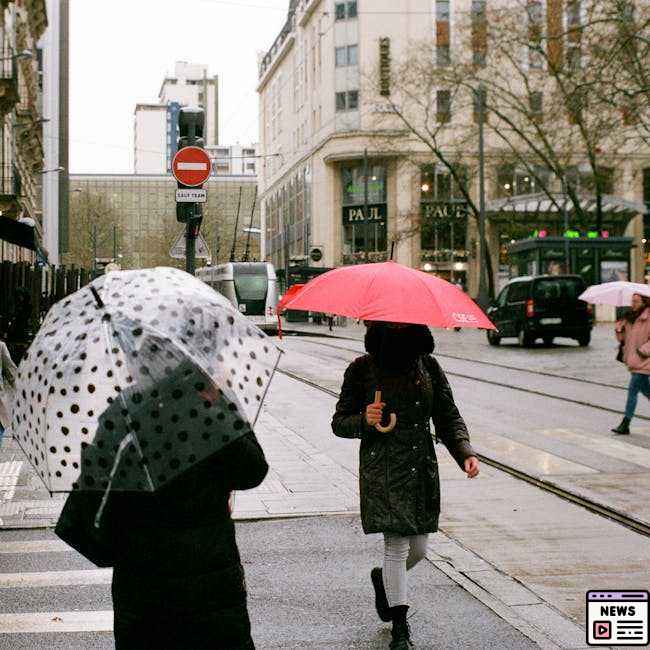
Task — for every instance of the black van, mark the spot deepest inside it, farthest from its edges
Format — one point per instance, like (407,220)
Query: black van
(545,306)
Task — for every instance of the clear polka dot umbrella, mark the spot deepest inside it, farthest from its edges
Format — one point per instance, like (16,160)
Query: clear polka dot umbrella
(136,378)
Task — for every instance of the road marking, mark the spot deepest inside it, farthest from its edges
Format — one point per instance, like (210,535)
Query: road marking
(47,622)
(523,456)
(56,578)
(9,476)
(35,546)
(188,166)
(614,448)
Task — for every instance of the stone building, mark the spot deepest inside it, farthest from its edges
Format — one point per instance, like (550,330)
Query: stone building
(22,23)
(331,88)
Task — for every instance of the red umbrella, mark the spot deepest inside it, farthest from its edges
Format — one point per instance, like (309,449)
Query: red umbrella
(390,292)
(290,294)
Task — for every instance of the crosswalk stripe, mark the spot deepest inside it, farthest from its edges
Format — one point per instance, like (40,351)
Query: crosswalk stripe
(35,546)
(45,622)
(56,578)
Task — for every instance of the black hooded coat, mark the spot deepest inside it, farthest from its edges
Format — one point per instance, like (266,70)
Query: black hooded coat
(398,471)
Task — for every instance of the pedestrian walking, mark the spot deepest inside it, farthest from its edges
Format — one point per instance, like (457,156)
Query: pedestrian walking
(140,393)
(7,384)
(633,335)
(398,470)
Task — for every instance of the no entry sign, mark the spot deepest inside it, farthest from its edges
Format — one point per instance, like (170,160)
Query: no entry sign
(191,166)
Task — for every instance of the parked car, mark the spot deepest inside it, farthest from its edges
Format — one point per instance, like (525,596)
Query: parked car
(545,306)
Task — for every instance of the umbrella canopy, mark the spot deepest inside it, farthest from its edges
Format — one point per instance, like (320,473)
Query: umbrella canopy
(390,292)
(618,294)
(136,378)
(290,294)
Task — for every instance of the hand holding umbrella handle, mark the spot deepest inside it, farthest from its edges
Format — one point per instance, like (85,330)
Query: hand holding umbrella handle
(393,417)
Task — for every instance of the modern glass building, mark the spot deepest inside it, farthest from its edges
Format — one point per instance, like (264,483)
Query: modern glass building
(133,218)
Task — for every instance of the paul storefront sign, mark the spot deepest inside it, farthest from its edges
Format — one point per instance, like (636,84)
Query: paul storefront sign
(355,213)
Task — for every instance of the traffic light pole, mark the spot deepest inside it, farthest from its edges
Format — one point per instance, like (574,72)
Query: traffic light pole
(191,213)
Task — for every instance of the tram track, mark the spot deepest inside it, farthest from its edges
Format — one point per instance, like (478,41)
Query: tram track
(544,484)
(500,384)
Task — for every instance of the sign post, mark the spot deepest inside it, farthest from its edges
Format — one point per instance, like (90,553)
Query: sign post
(191,167)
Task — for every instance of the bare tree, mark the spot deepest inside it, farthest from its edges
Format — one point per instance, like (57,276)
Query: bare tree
(94,224)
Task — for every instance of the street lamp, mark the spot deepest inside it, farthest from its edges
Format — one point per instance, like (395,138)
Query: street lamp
(482,298)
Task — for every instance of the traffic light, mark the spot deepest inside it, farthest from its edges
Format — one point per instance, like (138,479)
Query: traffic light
(190,126)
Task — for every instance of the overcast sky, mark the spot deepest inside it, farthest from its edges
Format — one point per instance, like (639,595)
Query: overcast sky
(121,50)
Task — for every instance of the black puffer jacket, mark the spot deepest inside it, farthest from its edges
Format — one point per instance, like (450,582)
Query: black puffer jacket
(398,471)
(178,581)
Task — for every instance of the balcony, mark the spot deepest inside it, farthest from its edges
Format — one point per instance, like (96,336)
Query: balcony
(10,187)
(9,95)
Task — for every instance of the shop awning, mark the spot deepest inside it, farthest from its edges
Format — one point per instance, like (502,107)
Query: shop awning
(20,234)
(531,206)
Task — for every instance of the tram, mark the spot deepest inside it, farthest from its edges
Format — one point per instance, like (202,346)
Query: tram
(250,286)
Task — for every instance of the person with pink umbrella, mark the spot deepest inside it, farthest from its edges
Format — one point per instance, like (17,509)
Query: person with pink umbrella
(397,378)
(398,470)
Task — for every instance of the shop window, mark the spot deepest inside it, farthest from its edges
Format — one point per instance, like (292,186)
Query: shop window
(353,182)
(515,181)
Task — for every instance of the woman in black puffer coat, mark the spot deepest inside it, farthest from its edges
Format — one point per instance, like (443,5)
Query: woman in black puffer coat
(398,470)
(178,582)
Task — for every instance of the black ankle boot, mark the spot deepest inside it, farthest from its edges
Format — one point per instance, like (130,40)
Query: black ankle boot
(381,602)
(401,631)
(623,428)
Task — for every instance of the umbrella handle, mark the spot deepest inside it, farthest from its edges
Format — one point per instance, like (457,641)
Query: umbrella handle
(393,417)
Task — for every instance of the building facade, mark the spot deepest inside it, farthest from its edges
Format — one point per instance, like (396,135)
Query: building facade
(332,93)
(131,219)
(156,124)
(21,141)
(55,45)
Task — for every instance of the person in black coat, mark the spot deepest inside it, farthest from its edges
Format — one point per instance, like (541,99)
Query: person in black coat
(398,471)
(178,581)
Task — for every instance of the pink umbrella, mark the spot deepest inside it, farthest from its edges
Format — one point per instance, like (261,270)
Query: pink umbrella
(290,294)
(390,292)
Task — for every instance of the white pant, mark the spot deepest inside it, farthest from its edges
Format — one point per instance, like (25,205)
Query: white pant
(400,555)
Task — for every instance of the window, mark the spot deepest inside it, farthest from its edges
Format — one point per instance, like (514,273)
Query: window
(503,296)
(347,101)
(346,55)
(343,10)
(480,102)
(512,181)
(223,153)
(443,106)
(442,10)
(248,152)
(443,57)
(479,32)
(535,12)
(250,167)
(536,106)
(517,292)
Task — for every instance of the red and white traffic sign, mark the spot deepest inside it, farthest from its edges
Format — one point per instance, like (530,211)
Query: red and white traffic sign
(191,166)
